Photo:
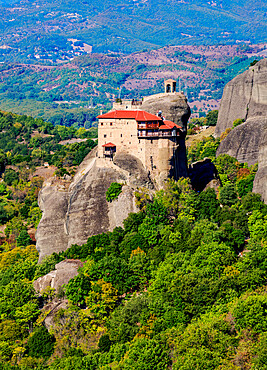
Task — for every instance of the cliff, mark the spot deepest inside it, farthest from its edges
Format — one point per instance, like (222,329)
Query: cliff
(243,142)
(260,182)
(174,107)
(244,97)
(73,212)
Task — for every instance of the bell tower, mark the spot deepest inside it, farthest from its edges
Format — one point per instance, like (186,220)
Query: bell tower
(170,86)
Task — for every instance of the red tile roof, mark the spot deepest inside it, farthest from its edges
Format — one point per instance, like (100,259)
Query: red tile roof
(109,145)
(138,115)
(168,125)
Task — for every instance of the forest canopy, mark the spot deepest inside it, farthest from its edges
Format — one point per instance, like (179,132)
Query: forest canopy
(181,285)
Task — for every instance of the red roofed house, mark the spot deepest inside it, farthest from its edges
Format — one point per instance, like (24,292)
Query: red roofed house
(146,136)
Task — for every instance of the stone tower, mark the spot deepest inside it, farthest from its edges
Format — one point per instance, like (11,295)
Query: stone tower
(170,86)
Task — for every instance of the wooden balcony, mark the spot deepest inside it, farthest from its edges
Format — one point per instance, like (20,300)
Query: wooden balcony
(144,133)
(145,126)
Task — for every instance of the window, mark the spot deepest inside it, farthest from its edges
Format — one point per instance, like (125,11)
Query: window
(121,135)
(101,123)
(151,141)
(110,134)
(110,123)
(140,142)
(105,135)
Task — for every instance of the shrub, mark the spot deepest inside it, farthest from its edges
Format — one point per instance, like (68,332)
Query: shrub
(113,191)
(104,343)
(238,122)
(41,343)
(11,176)
(228,195)
(211,118)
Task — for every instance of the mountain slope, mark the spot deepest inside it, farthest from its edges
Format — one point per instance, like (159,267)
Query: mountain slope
(129,25)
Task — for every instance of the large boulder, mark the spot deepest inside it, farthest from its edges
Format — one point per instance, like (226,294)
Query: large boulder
(174,107)
(203,174)
(243,142)
(244,97)
(64,271)
(74,212)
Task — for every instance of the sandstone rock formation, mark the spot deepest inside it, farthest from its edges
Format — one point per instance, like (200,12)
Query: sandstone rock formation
(244,97)
(64,271)
(203,174)
(173,106)
(260,182)
(243,142)
(73,213)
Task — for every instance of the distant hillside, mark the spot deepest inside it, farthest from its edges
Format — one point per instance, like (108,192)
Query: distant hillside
(74,92)
(43,28)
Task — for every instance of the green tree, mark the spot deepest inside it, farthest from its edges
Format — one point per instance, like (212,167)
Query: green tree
(113,191)
(211,118)
(40,343)
(11,176)
(238,122)
(228,195)
(23,239)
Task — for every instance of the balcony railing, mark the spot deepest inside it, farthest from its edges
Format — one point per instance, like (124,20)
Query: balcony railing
(148,126)
(143,133)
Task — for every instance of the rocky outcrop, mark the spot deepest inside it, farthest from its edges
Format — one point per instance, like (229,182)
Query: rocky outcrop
(248,143)
(260,182)
(73,212)
(244,97)
(203,174)
(64,271)
(174,107)
(243,142)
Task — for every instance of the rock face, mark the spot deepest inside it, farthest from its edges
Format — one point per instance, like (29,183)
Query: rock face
(64,271)
(244,97)
(260,182)
(243,142)
(248,143)
(73,213)
(203,174)
(173,106)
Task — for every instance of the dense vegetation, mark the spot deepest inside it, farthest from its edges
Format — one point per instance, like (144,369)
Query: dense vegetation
(72,94)
(44,31)
(28,141)
(181,285)
(26,144)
